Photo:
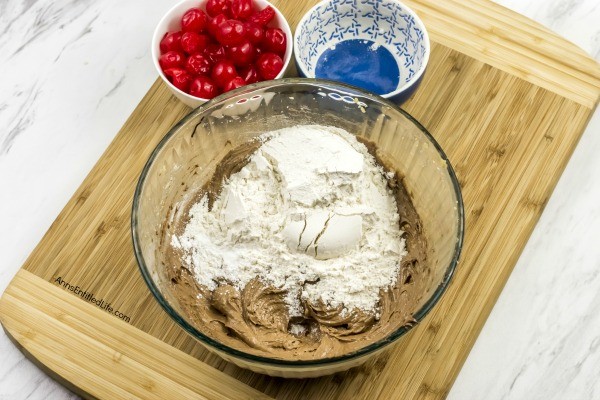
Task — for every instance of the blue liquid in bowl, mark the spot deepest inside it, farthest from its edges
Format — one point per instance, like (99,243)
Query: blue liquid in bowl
(360,63)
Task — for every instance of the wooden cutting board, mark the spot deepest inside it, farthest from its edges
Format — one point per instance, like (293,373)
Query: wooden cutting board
(506,99)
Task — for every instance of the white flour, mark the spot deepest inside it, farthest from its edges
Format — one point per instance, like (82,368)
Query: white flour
(310,213)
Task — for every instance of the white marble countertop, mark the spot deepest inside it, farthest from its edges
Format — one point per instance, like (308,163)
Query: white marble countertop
(74,70)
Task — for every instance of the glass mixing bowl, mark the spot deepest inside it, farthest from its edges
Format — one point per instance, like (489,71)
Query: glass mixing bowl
(186,158)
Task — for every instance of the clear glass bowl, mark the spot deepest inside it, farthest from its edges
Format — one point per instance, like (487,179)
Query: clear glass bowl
(201,139)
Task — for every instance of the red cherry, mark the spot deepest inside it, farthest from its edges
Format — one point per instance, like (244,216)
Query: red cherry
(205,40)
(231,32)
(216,7)
(241,9)
(249,74)
(234,84)
(203,87)
(171,59)
(223,72)
(254,33)
(263,17)
(215,52)
(214,23)
(179,78)
(194,20)
(198,64)
(193,42)
(241,54)
(171,42)
(269,65)
(275,40)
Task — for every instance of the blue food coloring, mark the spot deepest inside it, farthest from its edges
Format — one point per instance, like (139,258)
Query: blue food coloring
(360,63)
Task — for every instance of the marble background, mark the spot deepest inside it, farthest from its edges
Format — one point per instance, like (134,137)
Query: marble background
(66,88)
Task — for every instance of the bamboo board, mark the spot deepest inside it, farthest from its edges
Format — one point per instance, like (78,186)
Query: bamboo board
(506,99)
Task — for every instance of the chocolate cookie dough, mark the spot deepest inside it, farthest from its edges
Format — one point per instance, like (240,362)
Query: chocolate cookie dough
(255,320)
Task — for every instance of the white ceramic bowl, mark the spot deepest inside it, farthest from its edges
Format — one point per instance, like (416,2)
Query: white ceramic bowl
(170,22)
(363,28)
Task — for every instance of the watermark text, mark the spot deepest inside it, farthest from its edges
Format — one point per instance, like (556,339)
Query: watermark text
(89,297)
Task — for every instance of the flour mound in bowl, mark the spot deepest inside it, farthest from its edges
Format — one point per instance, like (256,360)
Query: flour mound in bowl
(301,248)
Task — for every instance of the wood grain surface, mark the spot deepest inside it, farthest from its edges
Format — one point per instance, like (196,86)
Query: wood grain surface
(505,98)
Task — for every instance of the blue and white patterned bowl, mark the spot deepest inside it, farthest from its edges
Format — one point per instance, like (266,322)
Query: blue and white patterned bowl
(379,45)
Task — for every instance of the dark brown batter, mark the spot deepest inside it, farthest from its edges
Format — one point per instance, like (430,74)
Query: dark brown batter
(256,320)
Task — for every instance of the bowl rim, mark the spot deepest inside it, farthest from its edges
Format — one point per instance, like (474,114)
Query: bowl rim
(157,37)
(220,347)
(400,4)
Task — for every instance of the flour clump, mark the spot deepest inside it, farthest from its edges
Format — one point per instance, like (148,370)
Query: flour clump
(310,214)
